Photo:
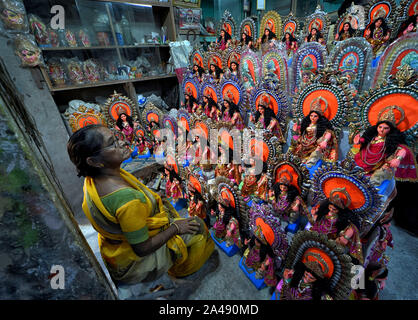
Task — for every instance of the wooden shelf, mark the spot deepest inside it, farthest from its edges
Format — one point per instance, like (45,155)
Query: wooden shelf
(144,2)
(110,83)
(142,45)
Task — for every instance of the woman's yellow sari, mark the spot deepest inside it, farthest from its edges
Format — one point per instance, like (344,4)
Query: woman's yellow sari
(130,216)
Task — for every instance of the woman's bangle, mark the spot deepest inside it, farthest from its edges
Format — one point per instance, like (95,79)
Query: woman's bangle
(178,229)
(399,158)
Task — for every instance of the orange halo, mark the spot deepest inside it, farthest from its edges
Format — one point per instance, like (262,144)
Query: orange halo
(153,117)
(318,21)
(291,25)
(292,172)
(259,149)
(273,103)
(399,59)
(190,86)
(211,93)
(357,196)
(310,255)
(267,231)
(332,109)
(227,139)
(405,101)
(383,6)
(203,129)
(172,162)
(413,8)
(247,28)
(226,194)
(184,123)
(234,91)
(218,61)
(195,183)
(119,107)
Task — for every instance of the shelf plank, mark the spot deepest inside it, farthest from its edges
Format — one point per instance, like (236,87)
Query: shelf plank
(144,2)
(142,45)
(110,83)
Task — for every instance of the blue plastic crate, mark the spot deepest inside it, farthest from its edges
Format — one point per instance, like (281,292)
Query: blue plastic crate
(229,251)
(275,297)
(258,283)
(180,205)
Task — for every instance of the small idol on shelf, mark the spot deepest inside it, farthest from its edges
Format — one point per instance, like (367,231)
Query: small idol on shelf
(246,40)
(56,72)
(39,30)
(346,32)
(249,183)
(84,38)
(267,40)
(126,125)
(227,226)
(53,38)
(291,44)
(189,100)
(13,15)
(215,71)
(316,139)
(350,77)
(28,52)
(334,218)
(315,36)
(70,38)
(288,204)
(382,150)
(224,40)
(259,256)
(230,111)
(266,119)
(173,187)
(91,70)
(377,34)
(197,204)
(75,71)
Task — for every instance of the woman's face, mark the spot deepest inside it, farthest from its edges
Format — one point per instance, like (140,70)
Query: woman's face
(332,209)
(346,27)
(221,209)
(383,129)
(114,151)
(212,68)
(123,117)
(205,100)
(305,78)
(233,66)
(313,31)
(226,104)
(261,109)
(266,32)
(283,188)
(314,117)
(195,68)
(378,23)
(222,33)
(308,277)
(243,37)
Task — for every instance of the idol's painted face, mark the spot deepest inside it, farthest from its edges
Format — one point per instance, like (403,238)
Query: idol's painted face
(346,27)
(313,32)
(123,117)
(308,277)
(283,188)
(383,129)
(332,209)
(221,209)
(314,117)
(378,23)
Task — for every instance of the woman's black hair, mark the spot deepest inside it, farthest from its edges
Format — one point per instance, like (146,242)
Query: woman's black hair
(265,249)
(271,35)
(172,174)
(227,36)
(318,35)
(291,38)
(85,143)
(247,38)
(268,115)
(319,287)
(236,64)
(292,191)
(211,103)
(200,70)
(321,126)
(383,25)
(351,31)
(232,108)
(218,71)
(119,122)
(191,101)
(345,216)
(393,138)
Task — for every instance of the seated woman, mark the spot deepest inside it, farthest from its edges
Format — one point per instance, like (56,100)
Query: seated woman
(291,44)
(224,40)
(315,36)
(141,236)
(266,41)
(231,113)
(173,188)
(382,152)
(189,101)
(377,34)
(333,218)
(215,71)
(210,108)
(226,226)
(126,125)
(260,257)
(266,119)
(316,138)
(246,41)
(287,203)
(345,33)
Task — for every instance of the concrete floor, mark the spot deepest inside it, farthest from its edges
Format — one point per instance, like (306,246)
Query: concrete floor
(228,282)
